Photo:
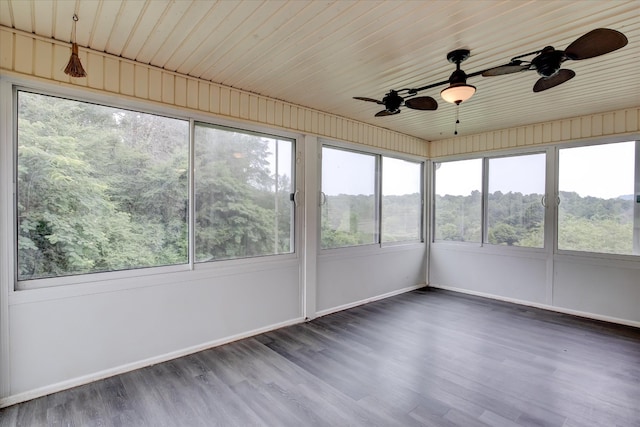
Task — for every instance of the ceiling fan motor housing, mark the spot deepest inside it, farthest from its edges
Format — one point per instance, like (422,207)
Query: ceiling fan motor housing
(392,101)
(548,62)
(458,77)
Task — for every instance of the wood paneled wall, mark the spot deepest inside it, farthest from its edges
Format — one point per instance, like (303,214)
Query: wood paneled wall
(35,56)
(597,125)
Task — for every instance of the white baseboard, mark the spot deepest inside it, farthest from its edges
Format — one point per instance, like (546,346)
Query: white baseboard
(75,382)
(85,379)
(542,306)
(368,300)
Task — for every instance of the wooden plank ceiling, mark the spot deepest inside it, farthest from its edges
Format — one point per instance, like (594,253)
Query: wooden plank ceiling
(320,54)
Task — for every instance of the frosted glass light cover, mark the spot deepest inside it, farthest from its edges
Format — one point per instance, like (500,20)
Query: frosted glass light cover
(458,94)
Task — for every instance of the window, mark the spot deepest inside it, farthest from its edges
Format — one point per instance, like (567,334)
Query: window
(103,189)
(597,198)
(369,199)
(401,200)
(98,188)
(243,194)
(458,200)
(515,211)
(349,198)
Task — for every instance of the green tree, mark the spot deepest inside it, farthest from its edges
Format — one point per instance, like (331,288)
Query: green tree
(584,223)
(503,234)
(348,220)
(515,219)
(81,183)
(401,217)
(236,197)
(458,217)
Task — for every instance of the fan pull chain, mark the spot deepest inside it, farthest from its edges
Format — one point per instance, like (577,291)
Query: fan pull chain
(457,119)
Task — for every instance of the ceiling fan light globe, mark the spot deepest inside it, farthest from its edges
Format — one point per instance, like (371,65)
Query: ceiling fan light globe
(457,93)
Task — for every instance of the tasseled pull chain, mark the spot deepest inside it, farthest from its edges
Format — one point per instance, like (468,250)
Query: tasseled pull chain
(457,119)
(74,67)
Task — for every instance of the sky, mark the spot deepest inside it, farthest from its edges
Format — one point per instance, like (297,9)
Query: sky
(346,172)
(604,171)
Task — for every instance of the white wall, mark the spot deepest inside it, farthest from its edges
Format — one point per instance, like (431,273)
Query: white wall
(67,335)
(348,276)
(599,288)
(59,335)
(512,274)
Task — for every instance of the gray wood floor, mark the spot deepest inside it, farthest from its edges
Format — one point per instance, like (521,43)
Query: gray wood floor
(424,358)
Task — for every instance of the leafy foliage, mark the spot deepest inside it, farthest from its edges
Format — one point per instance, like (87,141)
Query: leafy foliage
(595,225)
(102,189)
(401,217)
(85,173)
(515,219)
(350,220)
(458,217)
(242,208)
(584,223)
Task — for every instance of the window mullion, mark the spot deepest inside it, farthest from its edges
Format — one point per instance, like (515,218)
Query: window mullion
(192,196)
(485,202)
(636,200)
(550,202)
(378,197)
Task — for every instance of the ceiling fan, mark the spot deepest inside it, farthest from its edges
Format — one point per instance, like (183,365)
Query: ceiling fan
(392,102)
(548,61)
(457,92)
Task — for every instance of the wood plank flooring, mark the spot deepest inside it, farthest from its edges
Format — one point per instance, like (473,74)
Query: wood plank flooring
(424,358)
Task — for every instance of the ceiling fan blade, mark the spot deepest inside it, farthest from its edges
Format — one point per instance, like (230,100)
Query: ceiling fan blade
(545,83)
(386,113)
(510,68)
(595,43)
(362,98)
(422,103)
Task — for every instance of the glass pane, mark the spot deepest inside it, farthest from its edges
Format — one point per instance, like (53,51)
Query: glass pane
(99,188)
(596,198)
(243,187)
(515,214)
(401,200)
(458,200)
(349,205)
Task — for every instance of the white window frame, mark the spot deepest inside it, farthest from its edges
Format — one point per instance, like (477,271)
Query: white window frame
(636,206)
(421,231)
(483,244)
(485,197)
(379,153)
(433,206)
(295,220)
(551,196)
(89,283)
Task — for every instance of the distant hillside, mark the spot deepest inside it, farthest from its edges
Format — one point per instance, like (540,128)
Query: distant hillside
(585,223)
